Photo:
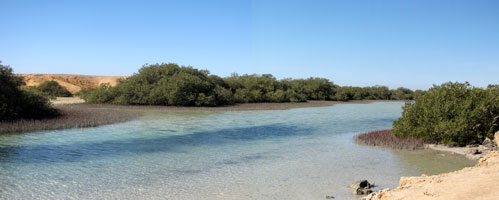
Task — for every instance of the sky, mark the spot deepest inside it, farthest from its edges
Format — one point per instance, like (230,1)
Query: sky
(403,43)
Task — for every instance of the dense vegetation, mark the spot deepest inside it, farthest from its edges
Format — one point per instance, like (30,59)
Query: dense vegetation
(374,93)
(50,89)
(16,103)
(452,113)
(170,84)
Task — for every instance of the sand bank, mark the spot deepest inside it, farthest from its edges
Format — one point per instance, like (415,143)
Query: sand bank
(478,182)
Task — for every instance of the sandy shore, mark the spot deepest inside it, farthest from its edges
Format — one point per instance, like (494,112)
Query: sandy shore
(468,152)
(478,182)
(67,100)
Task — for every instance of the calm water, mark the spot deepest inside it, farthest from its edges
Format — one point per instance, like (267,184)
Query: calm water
(305,153)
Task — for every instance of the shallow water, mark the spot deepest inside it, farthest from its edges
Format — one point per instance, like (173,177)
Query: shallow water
(304,153)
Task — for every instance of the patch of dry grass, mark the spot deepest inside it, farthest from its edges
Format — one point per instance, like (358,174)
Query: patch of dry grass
(72,116)
(386,138)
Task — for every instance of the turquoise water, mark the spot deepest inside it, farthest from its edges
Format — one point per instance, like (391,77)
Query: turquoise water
(304,153)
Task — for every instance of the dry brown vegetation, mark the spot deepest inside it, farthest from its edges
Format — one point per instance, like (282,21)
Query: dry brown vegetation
(72,116)
(386,138)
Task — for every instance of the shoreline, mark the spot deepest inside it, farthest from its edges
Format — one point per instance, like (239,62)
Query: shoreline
(77,114)
(472,153)
(236,107)
(477,182)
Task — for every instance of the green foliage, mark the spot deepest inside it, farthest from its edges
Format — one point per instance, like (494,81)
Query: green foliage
(53,89)
(314,88)
(452,113)
(402,93)
(164,84)
(16,103)
(50,89)
(170,84)
(372,93)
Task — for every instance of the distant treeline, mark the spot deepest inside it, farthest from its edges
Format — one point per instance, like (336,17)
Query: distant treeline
(174,85)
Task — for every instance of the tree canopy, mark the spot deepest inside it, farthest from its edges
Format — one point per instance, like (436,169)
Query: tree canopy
(174,85)
(451,113)
(16,103)
(50,89)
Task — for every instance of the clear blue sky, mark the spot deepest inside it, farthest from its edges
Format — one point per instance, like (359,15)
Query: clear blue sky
(394,43)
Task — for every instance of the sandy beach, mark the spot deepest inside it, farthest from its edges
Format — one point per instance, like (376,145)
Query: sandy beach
(478,182)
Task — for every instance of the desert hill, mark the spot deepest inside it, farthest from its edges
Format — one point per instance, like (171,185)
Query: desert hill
(73,83)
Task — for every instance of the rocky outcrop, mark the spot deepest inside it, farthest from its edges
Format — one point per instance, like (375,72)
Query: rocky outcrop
(361,187)
(73,83)
(479,182)
(473,152)
(489,143)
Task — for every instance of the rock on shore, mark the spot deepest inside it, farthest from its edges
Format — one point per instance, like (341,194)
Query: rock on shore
(478,182)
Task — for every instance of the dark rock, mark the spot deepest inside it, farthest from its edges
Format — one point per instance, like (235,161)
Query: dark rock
(361,187)
(475,151)
(329,197)
(363,191)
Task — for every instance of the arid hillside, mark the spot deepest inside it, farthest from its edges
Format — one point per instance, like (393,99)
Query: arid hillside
(73,83)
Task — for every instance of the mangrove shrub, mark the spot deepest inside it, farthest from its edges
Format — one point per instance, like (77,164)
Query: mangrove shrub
(16,103)
(452,113)
(173,85)
(50,89)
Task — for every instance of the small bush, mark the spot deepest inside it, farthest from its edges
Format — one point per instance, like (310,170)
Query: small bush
(53,89)
(452,113)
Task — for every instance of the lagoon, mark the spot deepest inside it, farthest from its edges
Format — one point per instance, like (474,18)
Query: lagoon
(304,153)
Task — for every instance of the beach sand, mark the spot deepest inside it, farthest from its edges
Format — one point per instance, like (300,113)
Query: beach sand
(478,182)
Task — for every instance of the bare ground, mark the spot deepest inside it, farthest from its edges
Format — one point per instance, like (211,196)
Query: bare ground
(478,182)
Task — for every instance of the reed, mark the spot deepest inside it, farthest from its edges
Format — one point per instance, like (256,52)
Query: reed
(386,138)
(72,116)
